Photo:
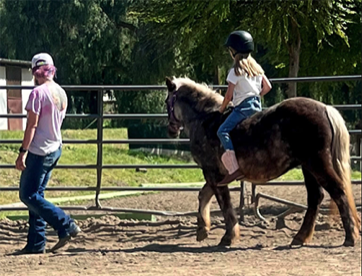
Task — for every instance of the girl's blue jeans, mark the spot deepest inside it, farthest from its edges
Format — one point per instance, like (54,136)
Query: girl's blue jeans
(33,182)
(244,110)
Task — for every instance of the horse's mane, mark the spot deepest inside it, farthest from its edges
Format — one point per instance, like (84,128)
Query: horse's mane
(199,96)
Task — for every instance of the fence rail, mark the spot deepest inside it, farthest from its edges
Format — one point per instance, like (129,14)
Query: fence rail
(99,166)
(165,189)
(163,87)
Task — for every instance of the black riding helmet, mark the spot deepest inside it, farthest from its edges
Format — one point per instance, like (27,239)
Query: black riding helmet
(240,41)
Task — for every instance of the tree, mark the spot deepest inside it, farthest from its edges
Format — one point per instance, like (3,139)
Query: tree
(91,41)
(283,27)
(289,24)
(141,42)
(85,36)
(196,29)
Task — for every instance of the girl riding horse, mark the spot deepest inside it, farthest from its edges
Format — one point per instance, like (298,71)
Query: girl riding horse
(297,132)
(246,83)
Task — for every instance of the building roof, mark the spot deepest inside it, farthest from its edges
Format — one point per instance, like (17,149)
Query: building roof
(15,62)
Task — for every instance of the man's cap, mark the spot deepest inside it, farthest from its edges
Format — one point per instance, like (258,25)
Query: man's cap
(41,59)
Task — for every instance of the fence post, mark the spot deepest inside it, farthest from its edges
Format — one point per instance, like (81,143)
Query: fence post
(242,201)
(360,154)
(253,190)
(99,145)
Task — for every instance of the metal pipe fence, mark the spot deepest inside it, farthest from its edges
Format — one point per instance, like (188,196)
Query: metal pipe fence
(99,141)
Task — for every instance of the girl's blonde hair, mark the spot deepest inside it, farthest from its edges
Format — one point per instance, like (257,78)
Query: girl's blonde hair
(244,63)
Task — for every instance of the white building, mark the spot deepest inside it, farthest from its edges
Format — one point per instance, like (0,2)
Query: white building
(14,72)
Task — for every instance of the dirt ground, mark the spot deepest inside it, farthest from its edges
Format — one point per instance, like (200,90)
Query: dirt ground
(110,246)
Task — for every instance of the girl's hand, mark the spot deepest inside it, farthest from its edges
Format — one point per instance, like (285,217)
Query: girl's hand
(227,98)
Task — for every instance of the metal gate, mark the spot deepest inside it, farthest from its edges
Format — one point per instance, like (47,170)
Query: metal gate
(99,166)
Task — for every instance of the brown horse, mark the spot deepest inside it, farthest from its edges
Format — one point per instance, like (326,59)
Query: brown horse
(296,132)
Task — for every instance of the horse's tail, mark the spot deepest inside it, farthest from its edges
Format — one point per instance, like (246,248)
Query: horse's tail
(341,158)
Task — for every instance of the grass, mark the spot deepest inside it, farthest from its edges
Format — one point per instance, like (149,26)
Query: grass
(112,154)
(87,154)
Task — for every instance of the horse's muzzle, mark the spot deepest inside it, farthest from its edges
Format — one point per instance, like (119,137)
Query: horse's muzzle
(173,130)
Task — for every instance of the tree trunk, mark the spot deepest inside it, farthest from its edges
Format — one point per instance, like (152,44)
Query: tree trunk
(216,80)
(294,54)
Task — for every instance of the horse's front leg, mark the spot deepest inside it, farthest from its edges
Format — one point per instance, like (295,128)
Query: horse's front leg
(232,233)
(203,218)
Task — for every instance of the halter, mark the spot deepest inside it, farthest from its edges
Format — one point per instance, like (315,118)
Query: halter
(171,110)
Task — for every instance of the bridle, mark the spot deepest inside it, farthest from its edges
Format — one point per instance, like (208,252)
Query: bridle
(170,102)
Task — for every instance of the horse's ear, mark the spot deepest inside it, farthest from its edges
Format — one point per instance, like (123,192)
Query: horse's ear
(170,85)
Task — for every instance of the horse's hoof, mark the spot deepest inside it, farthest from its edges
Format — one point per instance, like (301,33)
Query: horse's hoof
(296,242)
(201,234)
(225,242)
(349,242)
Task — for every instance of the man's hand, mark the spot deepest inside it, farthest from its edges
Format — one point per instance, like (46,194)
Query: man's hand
(221,110)
(20,162)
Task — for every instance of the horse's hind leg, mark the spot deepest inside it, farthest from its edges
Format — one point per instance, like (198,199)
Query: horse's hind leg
(315,197)
(328,178)
(203,218)
(232,233)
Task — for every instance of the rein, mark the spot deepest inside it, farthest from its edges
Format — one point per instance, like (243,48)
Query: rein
(170,102)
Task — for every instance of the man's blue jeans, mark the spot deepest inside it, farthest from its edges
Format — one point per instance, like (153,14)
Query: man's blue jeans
(244,110)
(33,182)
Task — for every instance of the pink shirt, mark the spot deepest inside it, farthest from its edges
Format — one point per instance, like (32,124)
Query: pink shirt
(49,101)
